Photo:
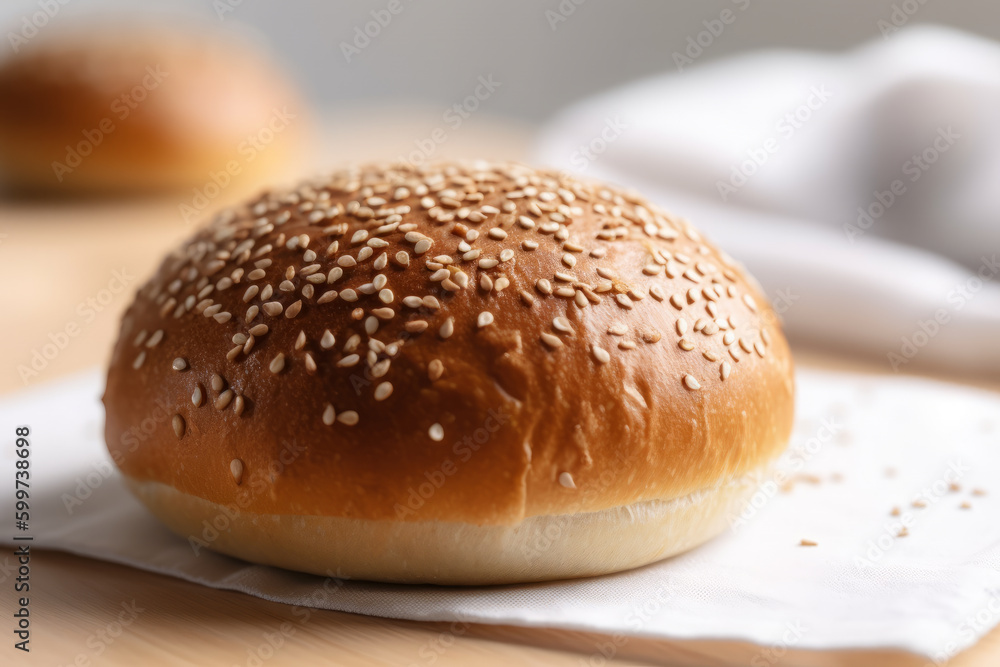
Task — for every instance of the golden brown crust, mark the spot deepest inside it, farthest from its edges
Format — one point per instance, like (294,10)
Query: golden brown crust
(577,401)
(139,107)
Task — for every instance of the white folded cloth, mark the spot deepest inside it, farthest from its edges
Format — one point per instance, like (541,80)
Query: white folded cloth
(862,445)
(859,188)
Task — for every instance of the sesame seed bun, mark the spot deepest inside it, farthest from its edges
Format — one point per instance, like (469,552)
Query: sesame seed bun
(465,373)
(138,107)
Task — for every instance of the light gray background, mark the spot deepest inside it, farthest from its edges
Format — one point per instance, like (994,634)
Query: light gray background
(433,51)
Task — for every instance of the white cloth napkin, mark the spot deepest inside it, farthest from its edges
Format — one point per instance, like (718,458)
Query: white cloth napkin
(862,445)
(859,188)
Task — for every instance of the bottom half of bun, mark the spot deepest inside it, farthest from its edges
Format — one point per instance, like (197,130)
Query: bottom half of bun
(539,548)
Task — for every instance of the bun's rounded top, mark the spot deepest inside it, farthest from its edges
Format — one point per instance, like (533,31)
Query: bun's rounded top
(463,341)
(137,106)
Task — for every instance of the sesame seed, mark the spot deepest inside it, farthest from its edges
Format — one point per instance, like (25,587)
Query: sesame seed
(485,319)
(349,360)
(236,469)
(543,286)
(383,391)
(327,296)
(179,364)
(725,369)
(310,363)
(384,313)
(329,415)
(685,344)
(601,354)
(402,258)
(501,283)
(569,260)
(422,246)
(349,295)
(300,340)
(155,339)
(497,233)
(488,263)
(750,303)
(278,363)
(197,396)
(435,369)
(139,359)
(256,274)
(273,308)
(327,341)
(551,340)
(448,328)
(436,432)
(293,309)
(566,480)
(178,423)
(527,297)
(562,324)
(348,418)
(223,400)
(691,383)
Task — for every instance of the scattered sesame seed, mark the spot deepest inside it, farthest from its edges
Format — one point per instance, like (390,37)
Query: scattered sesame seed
(329,415)
(562,324)
(383,391)
(448,328)
(236,469)
(435,369)
(807,543)
(551,341)
(566,480)
(436,432)
(178,423)
(600,354)
(179,364)
(348,418)
(197,396)
(223,400)
(691,383)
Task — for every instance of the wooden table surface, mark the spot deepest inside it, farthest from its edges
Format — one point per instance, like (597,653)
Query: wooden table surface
(60,268)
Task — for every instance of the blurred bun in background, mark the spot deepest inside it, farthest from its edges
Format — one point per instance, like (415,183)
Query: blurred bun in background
(130,107)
